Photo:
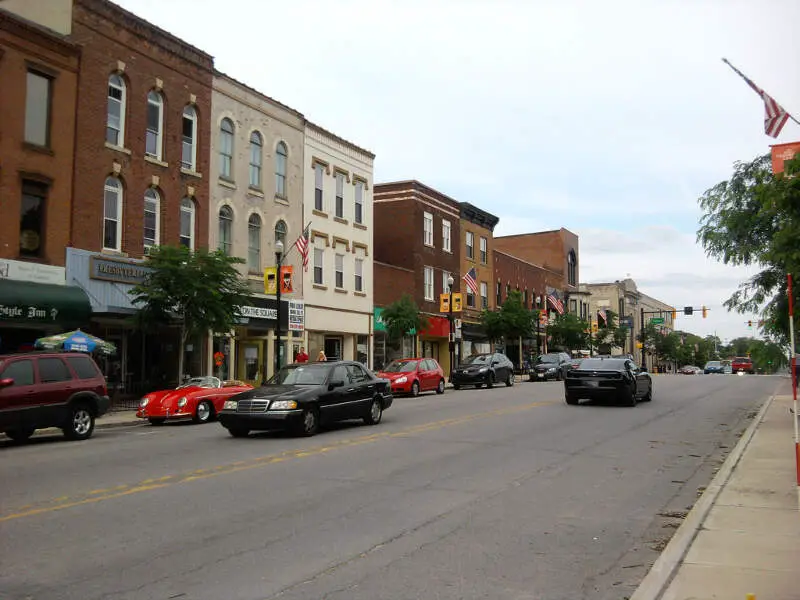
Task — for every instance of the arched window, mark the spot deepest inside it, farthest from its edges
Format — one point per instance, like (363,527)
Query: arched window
(572,268)
(280,169)
(155,125)
(254,243)
(189,145)
(187,223)
(280,233)
(226,149)
(152,206)
(256,148)
(226,230)
(115,117)
(112,214)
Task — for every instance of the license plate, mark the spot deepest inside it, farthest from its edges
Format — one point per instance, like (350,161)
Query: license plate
(541,375)
(593,383)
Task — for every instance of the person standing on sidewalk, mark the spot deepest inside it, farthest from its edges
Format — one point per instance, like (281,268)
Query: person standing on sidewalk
(301,357)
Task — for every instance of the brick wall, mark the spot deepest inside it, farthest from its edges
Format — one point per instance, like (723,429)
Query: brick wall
(521,275)
(547,249)
(391,283)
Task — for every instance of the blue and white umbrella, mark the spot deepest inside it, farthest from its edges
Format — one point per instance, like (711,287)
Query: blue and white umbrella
(76,341)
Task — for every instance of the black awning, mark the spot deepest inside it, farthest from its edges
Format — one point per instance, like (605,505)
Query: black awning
(23,302)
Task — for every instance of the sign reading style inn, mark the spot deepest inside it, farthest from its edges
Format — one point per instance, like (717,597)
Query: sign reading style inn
(118,270)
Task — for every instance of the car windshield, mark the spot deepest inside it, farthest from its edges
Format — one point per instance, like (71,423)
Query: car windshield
(713,363)
(203,382)
(401,366)
(314,374)
(547,358)
(477,359)
(602,364)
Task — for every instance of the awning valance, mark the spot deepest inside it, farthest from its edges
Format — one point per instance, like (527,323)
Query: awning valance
(23,302)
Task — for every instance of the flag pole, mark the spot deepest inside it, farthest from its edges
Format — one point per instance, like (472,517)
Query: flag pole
(753,85)
(793,363)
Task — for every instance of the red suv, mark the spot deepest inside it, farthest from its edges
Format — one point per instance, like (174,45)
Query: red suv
(64,390)
(742,364)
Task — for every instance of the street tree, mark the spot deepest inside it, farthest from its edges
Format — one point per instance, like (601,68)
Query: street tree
(609,334)
(568,331)
(754,219)
(512,322)
(402,317)
(199,291)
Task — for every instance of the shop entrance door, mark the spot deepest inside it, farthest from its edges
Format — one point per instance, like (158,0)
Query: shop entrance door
(333,348)
(250,357)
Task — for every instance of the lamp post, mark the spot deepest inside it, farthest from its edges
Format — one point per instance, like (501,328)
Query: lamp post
(278,283)
(452,342)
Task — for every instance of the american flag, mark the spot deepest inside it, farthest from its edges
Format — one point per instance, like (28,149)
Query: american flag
(775,116)
(471,279)
(553,299)
(602,314)
(302,246)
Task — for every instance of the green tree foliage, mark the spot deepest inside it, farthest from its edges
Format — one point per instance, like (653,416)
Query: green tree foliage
(766,355)
(754,219)
(511,322)
(200,291)
(568,331)
(694,350)
(402,316)
(609,334)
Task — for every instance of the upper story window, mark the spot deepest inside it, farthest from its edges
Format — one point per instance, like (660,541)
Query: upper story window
(115,118)
(446,236)
(470,298)
(280,232)
(256,150)
(112,214)
(339,195)
(359,204)
(498,294)
(339,264)
(445,284)
(359,275)
(427,228)
(31,223)
(226,149)
(484,253)
(318,175)
(281,155)
(470,237)
(152,205)
(189,143)
(318,273)
(225,242)
(187,223)
(254,243)
(37,108)
(153,143)
(428,283)
(572,268)
(525,298)
(484,295)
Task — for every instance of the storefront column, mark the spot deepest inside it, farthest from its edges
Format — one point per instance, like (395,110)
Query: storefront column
(269,353)
(349,347)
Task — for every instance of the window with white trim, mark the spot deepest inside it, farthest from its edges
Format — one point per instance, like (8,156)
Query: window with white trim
(484,252)
(484,295)
(359,275)
(254,243)
(318,175)
(339,195)
(428,283)
(256,153)
(153,143)
(339,264)
(187,223)
(359,204)
(470,237)
(318,273)
(446,236)
(189,138)
(445,285)
(152,206)
(281,154)
(115,117)
(112,214)
(427,228)
(225,242)
(470,298)
(226,149)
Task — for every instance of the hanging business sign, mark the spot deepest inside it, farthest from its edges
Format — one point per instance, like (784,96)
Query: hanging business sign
(297,315)
(258,312)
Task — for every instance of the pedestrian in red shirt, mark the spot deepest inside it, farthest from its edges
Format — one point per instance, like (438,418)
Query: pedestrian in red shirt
(301,356)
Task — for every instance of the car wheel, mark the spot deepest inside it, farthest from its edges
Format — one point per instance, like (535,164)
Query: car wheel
(630,398)
(204,412)
(309,422)
(510,380)
(238,432)
(440,387)
(571,399)
(156,422)
(20,435)
(81,423)
(490,381)
(649,395)
(415,389)
(375,413)
(456,387)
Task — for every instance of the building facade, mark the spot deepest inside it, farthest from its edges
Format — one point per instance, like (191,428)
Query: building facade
(477,252)
(256,177)
(39,70)
(417,229)
(337,288)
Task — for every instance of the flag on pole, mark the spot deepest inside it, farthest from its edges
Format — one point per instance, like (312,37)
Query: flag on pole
(775,116)
(555,302)
(602,314)
(302,245)
(471,279)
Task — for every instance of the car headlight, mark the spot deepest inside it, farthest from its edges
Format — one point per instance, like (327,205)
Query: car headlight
(143,402)
(483,370)
(182,402)
(230,405)
(283,405)
(551,370)
(401,379)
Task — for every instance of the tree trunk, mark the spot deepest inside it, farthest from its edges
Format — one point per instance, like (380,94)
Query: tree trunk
(181,351)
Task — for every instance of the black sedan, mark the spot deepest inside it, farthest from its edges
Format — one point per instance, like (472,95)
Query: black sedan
(483,369)
(608,378)
(304,396)
(551,366)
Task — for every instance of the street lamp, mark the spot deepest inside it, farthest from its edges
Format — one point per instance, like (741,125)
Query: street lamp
(452,344)
(278,261)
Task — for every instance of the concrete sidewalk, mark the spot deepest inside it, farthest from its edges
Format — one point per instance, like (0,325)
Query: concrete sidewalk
(743,535)
(118,418)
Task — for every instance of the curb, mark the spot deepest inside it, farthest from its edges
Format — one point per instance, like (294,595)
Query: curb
(666,566)
(135,421)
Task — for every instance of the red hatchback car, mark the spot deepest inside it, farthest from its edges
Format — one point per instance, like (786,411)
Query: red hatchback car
(414,375)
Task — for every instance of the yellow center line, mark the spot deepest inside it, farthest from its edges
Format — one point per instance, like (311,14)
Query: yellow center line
(119,491)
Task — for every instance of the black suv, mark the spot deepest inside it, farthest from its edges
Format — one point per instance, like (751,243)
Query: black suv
(553,365)
(483,369)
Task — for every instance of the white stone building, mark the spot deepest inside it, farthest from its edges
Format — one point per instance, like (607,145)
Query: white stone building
(337,288)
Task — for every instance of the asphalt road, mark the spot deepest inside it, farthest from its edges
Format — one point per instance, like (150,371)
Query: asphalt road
(502,493)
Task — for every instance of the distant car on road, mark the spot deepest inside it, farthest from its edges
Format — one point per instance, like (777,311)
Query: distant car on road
(608,378)
(304,396)
(483,369)
(742,364)
(552,365)
(414,375)
(689,370)
(199,399)
(713,367)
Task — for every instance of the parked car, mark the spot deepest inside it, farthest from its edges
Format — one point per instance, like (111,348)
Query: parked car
(39,390)
(304,396)
(483,369)
(742,364)
(414,375)
(199,399)
(608,378)
(553,365)
(713,366)
(690,370)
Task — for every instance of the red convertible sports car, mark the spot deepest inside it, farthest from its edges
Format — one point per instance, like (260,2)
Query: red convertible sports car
(199,399)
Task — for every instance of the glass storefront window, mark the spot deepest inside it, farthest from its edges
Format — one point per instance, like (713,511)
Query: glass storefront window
(362,349)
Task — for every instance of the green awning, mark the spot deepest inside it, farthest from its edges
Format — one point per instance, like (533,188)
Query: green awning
(23,302)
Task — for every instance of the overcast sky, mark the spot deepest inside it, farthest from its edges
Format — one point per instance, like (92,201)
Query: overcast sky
(608,119)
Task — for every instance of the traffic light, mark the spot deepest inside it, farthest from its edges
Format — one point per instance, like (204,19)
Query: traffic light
(705,312)
(687,310)
(749,323)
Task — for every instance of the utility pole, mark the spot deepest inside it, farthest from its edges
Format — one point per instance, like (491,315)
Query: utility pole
(641,328)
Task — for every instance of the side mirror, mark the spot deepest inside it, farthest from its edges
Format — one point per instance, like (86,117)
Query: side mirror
(642,369)
(336,384)
(6,382)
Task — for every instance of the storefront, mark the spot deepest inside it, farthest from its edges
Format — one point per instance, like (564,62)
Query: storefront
(434,341)
(36,302)
(474,339)
(384,349)
(341,334)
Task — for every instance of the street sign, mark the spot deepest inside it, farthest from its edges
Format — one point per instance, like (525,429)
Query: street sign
(657,321)
(626,322)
